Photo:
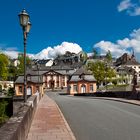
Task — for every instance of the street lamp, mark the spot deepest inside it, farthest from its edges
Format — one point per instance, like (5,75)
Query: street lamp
(26,25)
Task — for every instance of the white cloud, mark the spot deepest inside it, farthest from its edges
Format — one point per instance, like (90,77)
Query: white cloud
(135,34)
(122,46)
(52,52)
(115,49)
(9,51)
(137,11)
(49,52)
(124,5)
(131,8)
(11,54)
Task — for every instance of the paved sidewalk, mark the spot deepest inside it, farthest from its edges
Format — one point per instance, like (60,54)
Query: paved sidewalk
(49,123)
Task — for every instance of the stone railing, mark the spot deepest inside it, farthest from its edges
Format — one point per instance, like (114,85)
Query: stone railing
(18,125)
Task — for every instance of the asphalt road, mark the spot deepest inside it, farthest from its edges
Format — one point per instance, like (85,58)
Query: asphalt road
(95,119)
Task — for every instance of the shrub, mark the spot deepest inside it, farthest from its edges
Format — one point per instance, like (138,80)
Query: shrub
(3,116)
(114,82)
(11,91)
(0,88)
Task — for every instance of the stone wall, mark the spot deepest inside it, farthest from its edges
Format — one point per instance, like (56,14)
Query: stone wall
(19,124)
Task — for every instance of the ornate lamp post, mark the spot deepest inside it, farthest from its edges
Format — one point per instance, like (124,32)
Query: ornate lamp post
(26,25)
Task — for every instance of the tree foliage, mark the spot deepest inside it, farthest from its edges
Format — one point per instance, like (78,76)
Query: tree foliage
(11,91)
(98,70)
(4,62)
(109,56)
(12,72)
(101,71)
(3,116)
(83,57)
(95,53)
(21,63)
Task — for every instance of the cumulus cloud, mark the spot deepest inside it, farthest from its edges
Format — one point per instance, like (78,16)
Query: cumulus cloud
(124,5)
(9,51)
(131,8)
(53,52)
(11,54)
(47,53)
(121,46)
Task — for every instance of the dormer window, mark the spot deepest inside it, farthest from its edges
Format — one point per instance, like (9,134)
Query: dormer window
(82,76)
(28,77)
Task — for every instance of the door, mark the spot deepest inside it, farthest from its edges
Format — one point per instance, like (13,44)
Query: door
(83,88)
(29,91)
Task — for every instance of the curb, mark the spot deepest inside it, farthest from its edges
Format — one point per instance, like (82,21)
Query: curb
(112,99)
(67,126)
(119,100)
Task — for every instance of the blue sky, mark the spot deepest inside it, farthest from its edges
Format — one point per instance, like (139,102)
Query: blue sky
(104,24)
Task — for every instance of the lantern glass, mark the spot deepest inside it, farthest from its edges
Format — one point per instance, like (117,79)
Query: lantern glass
(28,27)
(24,18)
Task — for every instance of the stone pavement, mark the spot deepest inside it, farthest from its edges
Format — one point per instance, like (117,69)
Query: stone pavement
(49,123)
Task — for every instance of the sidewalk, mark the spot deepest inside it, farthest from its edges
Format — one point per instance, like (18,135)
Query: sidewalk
(49,123)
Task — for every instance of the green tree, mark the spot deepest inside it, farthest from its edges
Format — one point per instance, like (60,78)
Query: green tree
(101,71)
(4,62)
(3,116)
(0,88)
(12,72)
(109,56)
(110,74)
(98,70)
(11,91)
(21,63)
(95,53)
(83,57)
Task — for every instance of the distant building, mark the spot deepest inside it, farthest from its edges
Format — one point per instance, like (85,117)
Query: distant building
(82,81)
(124,75)
(129,61)
(53,79)
(5,85)
(34,84)
(125,58)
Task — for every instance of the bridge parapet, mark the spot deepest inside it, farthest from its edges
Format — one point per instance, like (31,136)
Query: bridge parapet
(19,124)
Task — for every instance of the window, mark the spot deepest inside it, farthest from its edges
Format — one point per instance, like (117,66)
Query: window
(91,87)
(28,77)
(63,81)
(75,88)
(20,89)
(83,88)
(37,88)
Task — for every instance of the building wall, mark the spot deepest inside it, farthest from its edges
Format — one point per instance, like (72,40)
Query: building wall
(59,81)
(19,89)
(82,87)
(137,69)
(6,84)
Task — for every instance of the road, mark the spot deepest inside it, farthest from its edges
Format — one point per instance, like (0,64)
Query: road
(96,119)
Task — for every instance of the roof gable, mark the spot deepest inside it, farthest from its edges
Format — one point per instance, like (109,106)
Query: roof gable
(52,72)
(82,71)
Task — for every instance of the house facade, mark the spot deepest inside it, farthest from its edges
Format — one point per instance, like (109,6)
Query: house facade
(126,65)
(34,84)
(124,75)
(82,81)
(44,78)
(55,79)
